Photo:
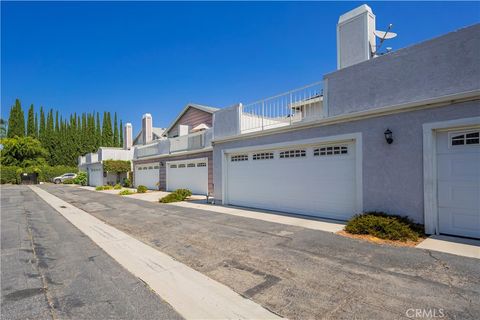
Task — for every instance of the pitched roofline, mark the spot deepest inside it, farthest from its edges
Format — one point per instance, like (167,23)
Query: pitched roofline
(188,105)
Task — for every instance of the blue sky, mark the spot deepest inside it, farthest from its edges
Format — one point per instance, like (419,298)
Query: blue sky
(155,57)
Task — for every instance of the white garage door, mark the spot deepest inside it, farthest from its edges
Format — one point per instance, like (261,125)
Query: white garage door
(95,177)
(316,180)
(458,172)
(147,175)
(188,174)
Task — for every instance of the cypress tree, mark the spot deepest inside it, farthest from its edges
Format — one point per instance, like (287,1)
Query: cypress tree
(115,131)
(31,122)
(41,130)
(107,134)
(98,132)
(121,134)
(16,121)
(36,125)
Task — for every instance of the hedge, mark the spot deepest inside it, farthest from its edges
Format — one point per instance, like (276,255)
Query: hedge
(10,174)
(117,166)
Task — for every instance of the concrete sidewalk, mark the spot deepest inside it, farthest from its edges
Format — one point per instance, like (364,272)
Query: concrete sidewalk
(453,245)
(190,293)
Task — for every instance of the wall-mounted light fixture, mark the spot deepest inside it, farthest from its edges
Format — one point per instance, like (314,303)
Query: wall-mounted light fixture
(161,164)
(388,136)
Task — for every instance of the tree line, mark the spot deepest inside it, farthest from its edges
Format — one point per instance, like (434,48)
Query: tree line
(65,138)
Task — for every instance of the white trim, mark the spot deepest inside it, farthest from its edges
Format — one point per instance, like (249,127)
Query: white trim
(430,196)
(175,154)
(205,159)
(365,114)
(356,137)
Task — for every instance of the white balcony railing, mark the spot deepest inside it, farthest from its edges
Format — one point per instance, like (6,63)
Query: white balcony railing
(192,141)
(303,104)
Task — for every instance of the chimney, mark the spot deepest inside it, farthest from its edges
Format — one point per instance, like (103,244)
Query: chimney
(355,36)
(147,131)
(127,136)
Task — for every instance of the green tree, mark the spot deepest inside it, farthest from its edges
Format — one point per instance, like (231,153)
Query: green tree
(107,134)
(36,125)
(98,132)
(16,121)
(115,131)
(121,134)
(41,129)
(22,152)
(3,128)
(31,122)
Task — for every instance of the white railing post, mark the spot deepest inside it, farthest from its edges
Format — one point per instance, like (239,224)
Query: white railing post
(263,112)
(290,109)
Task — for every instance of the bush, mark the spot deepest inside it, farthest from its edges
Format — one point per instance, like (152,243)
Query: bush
(81,179)
(141,189)
(118,186)
(176,196)
(107,187)
(99,188)
(127,183)
(384,226)
(8,174)
(68,181)
(125,192)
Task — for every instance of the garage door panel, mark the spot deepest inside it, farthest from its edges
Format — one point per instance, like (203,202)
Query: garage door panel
(458,186)
(147,175)
(194,178)
(313,185)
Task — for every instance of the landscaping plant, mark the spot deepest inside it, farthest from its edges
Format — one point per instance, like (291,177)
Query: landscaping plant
(107,187)
(99,188)
(141,189)
(384,226)
(125,192)
(81,179)
(118,186)
(68,181)
(127,183)
(176,196)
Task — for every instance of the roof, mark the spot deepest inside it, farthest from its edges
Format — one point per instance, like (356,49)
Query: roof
(156,131)
(191,105)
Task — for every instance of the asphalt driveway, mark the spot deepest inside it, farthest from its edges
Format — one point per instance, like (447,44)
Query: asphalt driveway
(295,272)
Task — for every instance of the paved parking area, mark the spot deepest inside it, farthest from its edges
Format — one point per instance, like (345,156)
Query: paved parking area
(296,272)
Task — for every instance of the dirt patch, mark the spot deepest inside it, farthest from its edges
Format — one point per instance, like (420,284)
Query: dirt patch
(369,238)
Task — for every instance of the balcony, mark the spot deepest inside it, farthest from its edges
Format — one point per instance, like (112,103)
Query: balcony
(299,105)
(192,141)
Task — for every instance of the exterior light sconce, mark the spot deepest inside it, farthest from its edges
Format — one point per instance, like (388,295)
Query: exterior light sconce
(161,164)
(388,136)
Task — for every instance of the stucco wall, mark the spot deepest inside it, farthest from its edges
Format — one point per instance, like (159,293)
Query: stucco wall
(392,174)
(446,65)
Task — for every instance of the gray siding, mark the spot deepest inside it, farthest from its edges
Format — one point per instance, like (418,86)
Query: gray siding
(392,174)
(449,64)
(192,118)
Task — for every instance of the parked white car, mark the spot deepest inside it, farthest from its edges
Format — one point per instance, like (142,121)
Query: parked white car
(64,177)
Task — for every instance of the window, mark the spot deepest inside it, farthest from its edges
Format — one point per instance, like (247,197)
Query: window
(240,157)
(191,165)
(292,153)
(465,138)
(139,168)
(173,166)
(156,167)
(328,151)
(150,168)
(263,155)
(201,164)
(181,165)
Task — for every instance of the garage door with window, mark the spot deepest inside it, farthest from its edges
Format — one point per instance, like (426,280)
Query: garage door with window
(188,174)
(147,175)
(458,182)
(95,176)
(312,180)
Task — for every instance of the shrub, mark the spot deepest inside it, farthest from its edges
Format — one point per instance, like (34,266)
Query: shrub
(176,196)
(141,189)
(125,192)
(68,181)
(118,186)
(81,179)
(8,174)
(127,183)
(99,188)
(384,226)
(107,187)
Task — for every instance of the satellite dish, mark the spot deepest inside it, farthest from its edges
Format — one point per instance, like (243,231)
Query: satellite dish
(385,34)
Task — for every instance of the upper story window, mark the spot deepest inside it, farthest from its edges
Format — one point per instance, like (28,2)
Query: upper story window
(240,157)
(333,150)
(460,139)
(293,153)
(263,155)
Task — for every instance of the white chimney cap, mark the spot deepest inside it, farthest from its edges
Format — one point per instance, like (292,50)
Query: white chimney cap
(146,115)
(354,13)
